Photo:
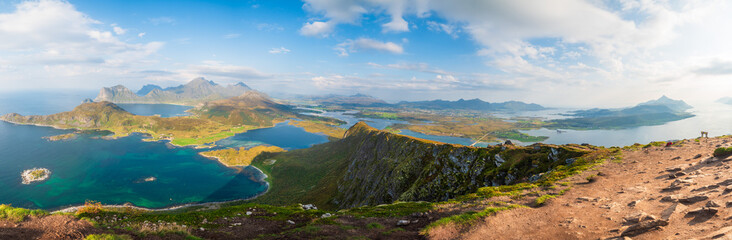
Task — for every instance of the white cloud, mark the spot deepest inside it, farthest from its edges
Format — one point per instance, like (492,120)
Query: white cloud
(270,27)
(451,30)
(162,20)
(321,29)
(419,67)
(142,34)
(280,50)
(215,69)
(118,30)
(351,46)
(232,35)
(588,43)
(50,39)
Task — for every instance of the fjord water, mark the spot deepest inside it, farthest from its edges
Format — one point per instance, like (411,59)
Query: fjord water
(162,110)
(715,118)
(109,171)
(350,119)
(281,135)
(113,171)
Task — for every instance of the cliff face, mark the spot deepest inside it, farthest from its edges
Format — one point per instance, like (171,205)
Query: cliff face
(385,167)
(371,167)
(196,91)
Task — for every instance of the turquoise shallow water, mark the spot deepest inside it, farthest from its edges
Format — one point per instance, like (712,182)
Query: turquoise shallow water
(112,171)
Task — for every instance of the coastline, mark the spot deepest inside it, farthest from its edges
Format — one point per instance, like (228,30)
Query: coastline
(115,135)
(175,207)
(218,159)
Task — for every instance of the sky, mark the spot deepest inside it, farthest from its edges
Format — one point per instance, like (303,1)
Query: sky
(561,53)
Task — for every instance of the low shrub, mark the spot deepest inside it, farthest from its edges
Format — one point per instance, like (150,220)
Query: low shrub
(723,152)
(90,207)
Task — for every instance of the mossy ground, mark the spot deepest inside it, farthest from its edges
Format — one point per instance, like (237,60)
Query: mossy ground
(18,214)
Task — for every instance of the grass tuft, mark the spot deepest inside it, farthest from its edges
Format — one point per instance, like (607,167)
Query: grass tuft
(108,237)
(18,214)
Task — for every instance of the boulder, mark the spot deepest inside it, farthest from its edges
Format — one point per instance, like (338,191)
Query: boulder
(676,207)
(309,207)
(693,199)
(402,223)
(643,227)
(670,198)
(678,184)
(712,204)
(637,217)
(633,203)
(704,211)
(721,234)
(674,168)
(705,188)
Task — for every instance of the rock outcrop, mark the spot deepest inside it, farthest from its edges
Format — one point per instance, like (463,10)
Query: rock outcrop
(385,167)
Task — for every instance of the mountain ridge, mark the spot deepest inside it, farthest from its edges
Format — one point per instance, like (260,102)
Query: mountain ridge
(194,92)
(371,167)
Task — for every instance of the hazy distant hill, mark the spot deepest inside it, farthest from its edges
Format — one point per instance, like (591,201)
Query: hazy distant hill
(725,100)
(472,104)
(353,100)
(196,91)
(675,105)
(361,100)
(654,112)
(147,89)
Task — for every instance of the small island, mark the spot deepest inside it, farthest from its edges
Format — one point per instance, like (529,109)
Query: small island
(35,175)
(60,137)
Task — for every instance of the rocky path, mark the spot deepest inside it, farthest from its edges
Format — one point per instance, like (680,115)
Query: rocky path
(47,227)
(678,192)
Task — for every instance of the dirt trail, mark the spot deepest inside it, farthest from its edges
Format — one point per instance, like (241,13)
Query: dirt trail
(655,193)
(48,227)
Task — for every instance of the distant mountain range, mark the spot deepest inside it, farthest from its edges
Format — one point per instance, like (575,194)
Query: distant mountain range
(361,100)
(725,100)
(196,91)
(472,104)
(654,112)
(353,100)
(661,105)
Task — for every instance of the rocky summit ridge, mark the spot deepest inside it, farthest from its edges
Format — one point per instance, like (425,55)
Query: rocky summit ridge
(196,91)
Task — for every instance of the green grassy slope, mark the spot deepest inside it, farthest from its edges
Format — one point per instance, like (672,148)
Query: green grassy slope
(370,167)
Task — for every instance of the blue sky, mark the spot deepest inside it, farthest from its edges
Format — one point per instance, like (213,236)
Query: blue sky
(557,53)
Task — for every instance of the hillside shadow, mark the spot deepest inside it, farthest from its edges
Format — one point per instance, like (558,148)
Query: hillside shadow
(248,178)
(19,233)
